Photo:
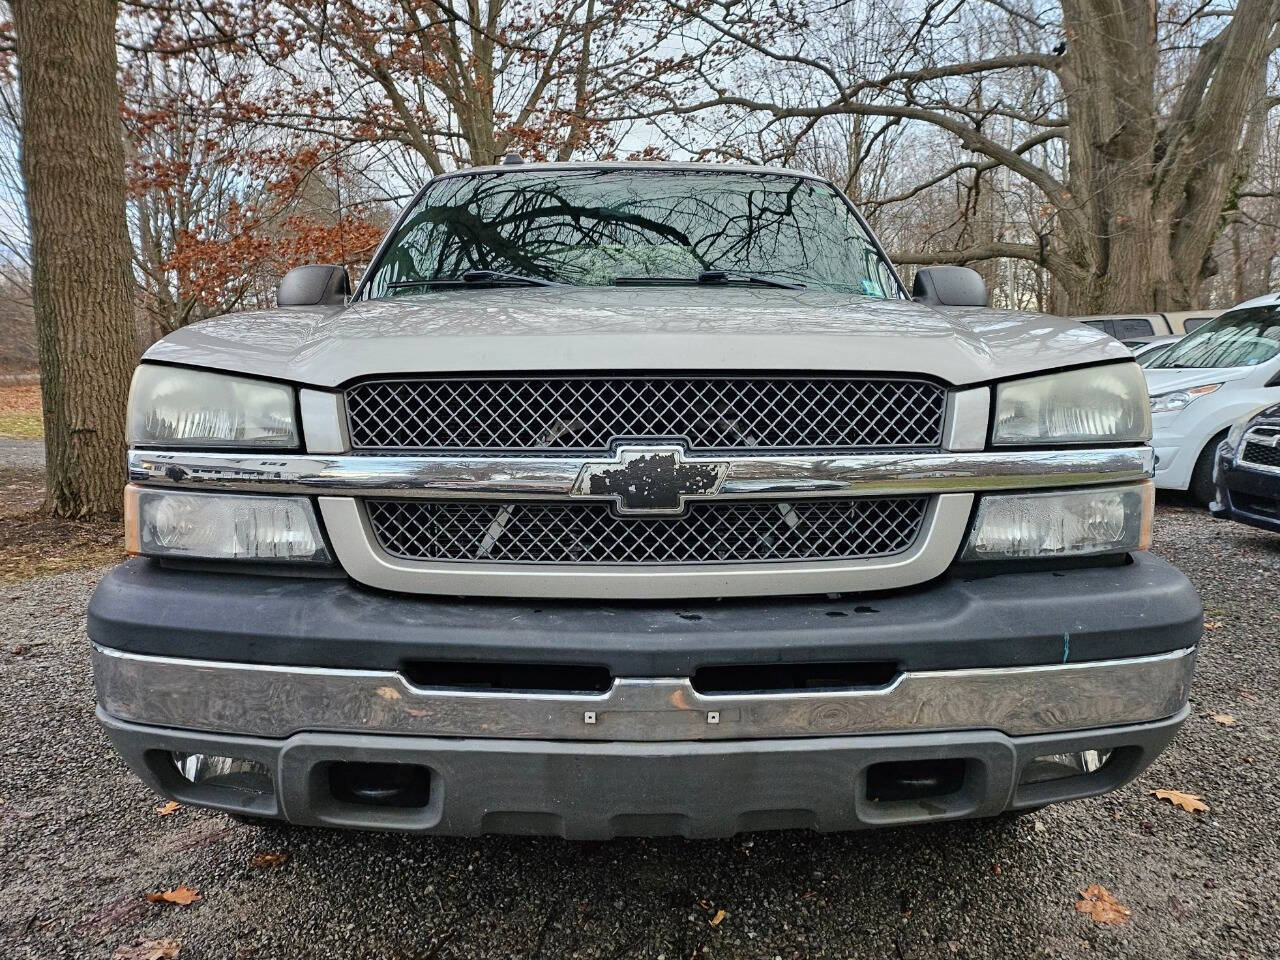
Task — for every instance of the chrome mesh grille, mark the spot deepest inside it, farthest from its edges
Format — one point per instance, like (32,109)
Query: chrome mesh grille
(588,414)
(590,533)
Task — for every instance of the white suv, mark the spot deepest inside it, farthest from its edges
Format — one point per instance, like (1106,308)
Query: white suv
(1211,379)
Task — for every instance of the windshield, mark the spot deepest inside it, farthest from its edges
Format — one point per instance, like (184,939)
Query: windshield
(595,227)
(1239,338)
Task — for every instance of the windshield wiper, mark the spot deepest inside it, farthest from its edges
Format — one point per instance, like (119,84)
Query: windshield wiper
(473,277)
(713,276)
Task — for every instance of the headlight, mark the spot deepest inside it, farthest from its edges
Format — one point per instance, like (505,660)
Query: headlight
(212,526)
(1180,399)
(196,408)
(1062,524)
(1094,404)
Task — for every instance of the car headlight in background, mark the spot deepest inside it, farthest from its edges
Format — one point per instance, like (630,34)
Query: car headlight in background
(1107,404)
(1180,399)
(196,408)
(213,526)
(1070,523)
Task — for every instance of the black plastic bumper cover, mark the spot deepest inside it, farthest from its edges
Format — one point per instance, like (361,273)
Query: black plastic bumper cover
(1016,619)
(1246,495)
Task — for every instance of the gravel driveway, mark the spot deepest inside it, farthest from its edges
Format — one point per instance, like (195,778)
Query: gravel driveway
(81,843)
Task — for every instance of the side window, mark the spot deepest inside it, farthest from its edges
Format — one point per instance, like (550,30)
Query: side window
(1132,327)
(1194,322)
(1096,324)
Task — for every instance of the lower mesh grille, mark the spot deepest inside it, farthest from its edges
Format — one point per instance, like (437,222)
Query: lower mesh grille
(590,533)
(1262,454)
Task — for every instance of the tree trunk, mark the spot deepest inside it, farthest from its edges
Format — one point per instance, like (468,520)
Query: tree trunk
(73,165)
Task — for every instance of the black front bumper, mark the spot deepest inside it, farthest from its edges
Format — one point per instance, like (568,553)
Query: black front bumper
(1016,619)
(1246,494)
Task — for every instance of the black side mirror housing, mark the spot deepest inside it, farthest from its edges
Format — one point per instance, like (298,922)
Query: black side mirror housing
(949,287)
(314,285)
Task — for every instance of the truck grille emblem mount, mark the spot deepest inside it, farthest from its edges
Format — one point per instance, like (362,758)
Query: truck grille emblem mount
(655,480)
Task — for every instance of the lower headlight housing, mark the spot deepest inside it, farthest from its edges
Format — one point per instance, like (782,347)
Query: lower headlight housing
(1069,523)
(213,526)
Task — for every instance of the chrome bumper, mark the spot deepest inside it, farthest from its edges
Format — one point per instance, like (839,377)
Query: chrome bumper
(279,701)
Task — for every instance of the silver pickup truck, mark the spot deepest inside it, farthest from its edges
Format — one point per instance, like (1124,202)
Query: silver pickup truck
(638,499)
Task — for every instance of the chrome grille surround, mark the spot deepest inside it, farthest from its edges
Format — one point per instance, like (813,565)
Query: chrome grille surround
(588,414)
(742,531)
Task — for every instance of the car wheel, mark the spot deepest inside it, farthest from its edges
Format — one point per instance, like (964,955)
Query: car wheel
(1201,489)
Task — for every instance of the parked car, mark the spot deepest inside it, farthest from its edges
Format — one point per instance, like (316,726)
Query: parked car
(1247,475)
(1146,349)
(1208,381)
(638,499)
(1127,326)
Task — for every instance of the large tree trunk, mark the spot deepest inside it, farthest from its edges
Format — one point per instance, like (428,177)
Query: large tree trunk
(1149,192)
(73,164)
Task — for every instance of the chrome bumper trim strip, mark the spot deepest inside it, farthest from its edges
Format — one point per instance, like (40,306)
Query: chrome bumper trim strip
(539,477)
(278,701)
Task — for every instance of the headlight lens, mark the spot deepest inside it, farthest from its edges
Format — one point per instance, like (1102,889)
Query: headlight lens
(196,408)
(1094,404)
(1062,524)
(1180,399)
(212,526)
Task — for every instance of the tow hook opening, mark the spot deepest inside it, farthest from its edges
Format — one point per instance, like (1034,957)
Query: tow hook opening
(907,780)
(380,784)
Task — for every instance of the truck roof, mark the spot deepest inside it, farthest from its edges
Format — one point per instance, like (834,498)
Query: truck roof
(687,166)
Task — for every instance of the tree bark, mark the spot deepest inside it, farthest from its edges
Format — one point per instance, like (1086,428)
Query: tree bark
(73,165)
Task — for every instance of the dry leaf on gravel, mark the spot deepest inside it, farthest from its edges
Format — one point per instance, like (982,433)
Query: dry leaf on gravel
(1189,802)
(1223,719)
(165,809)
(164,949)
(1212,624)
(183,896)
(718,918)
(1102,907)
(1248,696)
(267,860)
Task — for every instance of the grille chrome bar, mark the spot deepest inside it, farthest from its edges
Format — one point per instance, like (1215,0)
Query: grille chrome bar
(587,414)
(534,478)
(735,531)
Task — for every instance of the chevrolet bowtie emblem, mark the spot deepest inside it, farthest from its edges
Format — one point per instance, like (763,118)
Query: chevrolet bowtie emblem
(655,479)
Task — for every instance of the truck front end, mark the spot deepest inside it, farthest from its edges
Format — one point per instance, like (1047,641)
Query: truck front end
(638,500)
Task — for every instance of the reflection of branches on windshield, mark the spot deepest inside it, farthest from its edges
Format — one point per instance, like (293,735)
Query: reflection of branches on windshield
(1253,337)
(538,224)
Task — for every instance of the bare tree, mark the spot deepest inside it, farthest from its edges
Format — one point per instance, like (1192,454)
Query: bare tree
(73,164)
(1136,150)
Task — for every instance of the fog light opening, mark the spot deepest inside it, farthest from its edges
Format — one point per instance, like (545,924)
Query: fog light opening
(380,784)
(1059,766)
(908,780)
(229,773)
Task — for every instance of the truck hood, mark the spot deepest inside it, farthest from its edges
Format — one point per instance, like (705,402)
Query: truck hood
(634,328)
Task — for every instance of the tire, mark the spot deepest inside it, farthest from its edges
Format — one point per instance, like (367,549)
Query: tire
(1202,489)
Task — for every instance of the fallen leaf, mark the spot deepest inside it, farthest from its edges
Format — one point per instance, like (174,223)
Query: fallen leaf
(718,918)
(1224,719)
(183,896)
(388,693)
(1189,802)
(1212,624)
(265,861)
(173,806)
(1102,907)
(164,949)
(1248,696)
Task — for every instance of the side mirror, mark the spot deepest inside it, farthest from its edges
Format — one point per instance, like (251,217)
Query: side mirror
(314,285)
(949,287)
